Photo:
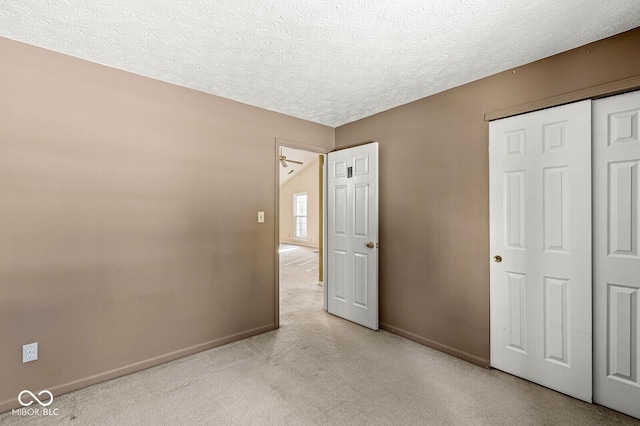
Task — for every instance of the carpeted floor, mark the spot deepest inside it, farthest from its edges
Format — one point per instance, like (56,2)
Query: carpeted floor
(319,370)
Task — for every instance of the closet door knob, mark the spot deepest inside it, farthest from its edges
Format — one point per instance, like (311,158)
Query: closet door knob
(497,259)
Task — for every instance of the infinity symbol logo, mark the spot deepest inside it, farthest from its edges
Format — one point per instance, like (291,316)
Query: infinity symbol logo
(44,404)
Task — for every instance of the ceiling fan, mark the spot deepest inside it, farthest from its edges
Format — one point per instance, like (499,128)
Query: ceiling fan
(284,162)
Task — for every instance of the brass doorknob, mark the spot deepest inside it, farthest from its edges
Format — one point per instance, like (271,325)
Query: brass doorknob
(371,245)
(497,259)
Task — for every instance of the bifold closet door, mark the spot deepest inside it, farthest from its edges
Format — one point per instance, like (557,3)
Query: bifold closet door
(540,239)
(616,273)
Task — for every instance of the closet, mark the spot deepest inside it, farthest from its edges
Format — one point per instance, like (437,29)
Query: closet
(565,268)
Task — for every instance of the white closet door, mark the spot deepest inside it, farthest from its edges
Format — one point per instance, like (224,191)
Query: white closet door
(616,154)
(540,232)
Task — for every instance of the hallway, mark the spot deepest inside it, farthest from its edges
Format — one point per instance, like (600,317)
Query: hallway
(299,289)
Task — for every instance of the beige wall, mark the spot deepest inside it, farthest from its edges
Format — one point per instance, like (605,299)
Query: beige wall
(434,197)
(128,236)
(307,180)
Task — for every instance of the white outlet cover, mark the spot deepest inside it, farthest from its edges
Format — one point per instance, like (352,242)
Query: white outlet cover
(30,352)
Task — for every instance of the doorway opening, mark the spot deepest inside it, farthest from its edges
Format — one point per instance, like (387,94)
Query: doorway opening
(299,231)
(348,194)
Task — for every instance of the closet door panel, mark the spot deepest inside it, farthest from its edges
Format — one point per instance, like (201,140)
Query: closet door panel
(616,267)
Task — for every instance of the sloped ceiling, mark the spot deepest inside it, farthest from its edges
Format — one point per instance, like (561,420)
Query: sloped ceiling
(331,62)
(293,169)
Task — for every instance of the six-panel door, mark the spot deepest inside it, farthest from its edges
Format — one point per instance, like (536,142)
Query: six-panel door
(540,211)
(616,194)
(352,232)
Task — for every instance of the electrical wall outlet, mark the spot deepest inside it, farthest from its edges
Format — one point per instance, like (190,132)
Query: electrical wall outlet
(30,352)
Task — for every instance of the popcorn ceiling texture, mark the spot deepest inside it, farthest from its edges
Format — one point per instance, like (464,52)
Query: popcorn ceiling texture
(331,62)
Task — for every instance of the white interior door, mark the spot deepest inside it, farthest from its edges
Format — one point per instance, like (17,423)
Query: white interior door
(616,153)
(540,225)
(352,234)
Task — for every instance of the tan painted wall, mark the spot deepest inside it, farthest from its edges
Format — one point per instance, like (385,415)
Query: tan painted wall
(128,234)
(305,181)
(434,197)
(127,238)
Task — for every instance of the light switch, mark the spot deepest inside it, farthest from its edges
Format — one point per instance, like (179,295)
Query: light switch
(260,217)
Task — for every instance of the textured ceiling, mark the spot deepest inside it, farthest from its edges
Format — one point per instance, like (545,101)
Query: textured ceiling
(331,62)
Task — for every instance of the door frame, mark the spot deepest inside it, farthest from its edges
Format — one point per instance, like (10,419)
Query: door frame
(616,87)
(288,143)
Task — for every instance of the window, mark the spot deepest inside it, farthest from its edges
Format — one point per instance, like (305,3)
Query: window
(300,215)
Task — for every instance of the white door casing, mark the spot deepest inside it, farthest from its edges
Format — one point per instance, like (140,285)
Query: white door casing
(352,203)
(540,224)
(616,267)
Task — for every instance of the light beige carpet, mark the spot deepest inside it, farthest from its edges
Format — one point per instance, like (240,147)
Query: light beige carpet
(319,370)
